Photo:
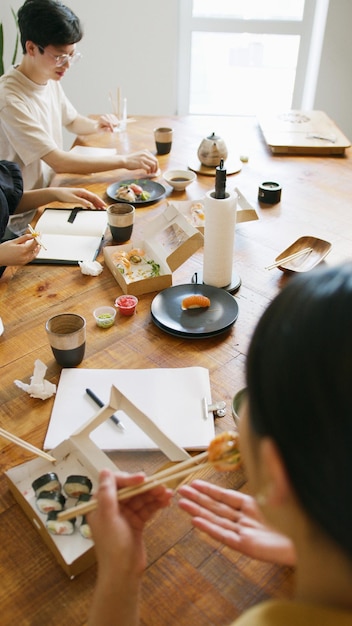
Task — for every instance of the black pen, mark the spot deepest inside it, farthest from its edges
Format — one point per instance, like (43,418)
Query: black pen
(97,401)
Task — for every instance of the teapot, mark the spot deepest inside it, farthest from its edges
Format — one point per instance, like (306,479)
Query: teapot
(211,150)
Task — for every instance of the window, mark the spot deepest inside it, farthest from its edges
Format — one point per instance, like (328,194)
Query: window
(242,57)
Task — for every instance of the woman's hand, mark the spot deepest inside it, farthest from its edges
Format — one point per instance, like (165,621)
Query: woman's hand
(234,519)
(81,197)
(143,159)
(108,122)
(19,251)
(117,529)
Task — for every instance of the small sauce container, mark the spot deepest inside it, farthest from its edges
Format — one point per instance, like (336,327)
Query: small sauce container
(105,316)
(126,304)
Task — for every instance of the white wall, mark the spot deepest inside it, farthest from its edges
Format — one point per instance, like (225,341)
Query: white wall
(131,44)
(334,86)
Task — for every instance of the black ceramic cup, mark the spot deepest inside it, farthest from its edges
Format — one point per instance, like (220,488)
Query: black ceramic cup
(67,337)
(120,220)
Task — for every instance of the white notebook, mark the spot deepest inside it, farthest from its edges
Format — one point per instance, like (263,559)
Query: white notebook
(70,235)
(172,397)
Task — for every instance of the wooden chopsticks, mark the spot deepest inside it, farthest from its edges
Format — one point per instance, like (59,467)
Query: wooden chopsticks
(35,235)
(159,478)
(24,444)
(290,257)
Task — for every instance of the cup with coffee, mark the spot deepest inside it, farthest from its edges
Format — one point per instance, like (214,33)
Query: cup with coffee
(163,139)
(67,337)
(120,220)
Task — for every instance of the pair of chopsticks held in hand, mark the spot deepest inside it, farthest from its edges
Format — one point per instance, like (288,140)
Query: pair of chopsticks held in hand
(182,470)
(36,236)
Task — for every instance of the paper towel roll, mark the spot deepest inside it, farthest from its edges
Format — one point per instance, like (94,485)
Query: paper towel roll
(219,234)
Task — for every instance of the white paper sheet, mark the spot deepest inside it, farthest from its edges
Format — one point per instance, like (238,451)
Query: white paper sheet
(173,398)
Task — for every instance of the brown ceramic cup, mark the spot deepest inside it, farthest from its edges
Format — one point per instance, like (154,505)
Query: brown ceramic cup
(67,337)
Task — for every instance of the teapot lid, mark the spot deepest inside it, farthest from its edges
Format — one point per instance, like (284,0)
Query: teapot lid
(213,137)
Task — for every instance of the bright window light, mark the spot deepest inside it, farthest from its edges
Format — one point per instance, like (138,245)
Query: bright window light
(242,74)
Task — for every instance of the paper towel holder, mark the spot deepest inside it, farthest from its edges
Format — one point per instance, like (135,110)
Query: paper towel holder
(234,285)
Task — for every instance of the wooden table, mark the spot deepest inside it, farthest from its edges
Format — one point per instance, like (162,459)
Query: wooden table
(190,579)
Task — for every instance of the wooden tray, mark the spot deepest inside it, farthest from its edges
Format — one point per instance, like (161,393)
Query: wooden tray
(320,249)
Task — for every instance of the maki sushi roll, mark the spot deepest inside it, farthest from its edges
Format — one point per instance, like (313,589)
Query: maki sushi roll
(59,527)
(47,482)
(76,485)
(50,501)
(84,528)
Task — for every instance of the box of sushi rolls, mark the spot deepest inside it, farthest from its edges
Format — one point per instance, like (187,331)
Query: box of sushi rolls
(147,265)
(43,488)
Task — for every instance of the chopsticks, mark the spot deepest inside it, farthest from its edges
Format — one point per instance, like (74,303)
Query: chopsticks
(24,444)
(159,478)
(291,257)
(35,235)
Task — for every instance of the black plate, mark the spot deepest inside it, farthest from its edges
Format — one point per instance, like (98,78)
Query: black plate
(168,315)
(156,190)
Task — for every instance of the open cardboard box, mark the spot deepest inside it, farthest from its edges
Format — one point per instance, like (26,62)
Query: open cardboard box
(244,212)
(79,455)
(169,240)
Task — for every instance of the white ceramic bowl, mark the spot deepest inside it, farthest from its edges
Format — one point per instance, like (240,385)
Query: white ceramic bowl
(179,179)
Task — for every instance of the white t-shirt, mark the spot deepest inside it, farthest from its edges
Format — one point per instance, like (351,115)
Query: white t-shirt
(31,121)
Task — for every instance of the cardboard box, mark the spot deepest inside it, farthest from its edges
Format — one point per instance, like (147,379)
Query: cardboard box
(169,240)
(244,213)
(79,455)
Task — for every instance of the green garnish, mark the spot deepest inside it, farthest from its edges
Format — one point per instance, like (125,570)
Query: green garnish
(155,271)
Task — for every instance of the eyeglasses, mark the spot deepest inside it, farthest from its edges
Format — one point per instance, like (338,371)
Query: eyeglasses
(62,59)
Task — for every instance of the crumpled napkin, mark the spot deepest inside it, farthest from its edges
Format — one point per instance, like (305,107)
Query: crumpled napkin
(91,268)
(38,387)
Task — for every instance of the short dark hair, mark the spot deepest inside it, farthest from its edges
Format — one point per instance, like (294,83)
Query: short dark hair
(299,375)
(48,22)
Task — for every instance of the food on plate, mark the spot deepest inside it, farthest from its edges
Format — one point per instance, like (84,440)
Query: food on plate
(58,527)
(223,452)
(75,485)
(132,192)
(46,482)
(125,193)
(50,501)
(134,265)
(195,301)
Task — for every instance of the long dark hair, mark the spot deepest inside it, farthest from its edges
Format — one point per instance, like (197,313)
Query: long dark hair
(48,22)
(299,379)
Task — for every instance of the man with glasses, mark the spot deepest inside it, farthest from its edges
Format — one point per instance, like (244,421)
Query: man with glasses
(34,108)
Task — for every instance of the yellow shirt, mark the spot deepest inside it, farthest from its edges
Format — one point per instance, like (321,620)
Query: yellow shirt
(285,613)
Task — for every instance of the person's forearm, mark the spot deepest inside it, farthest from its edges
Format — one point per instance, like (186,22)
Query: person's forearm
(65,162)
(34,198)
(83,126)
(113,605)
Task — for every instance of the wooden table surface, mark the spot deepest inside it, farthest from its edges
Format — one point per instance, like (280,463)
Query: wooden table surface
(190,579)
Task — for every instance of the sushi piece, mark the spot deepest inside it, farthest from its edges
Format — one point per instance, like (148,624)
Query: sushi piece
(195,302)
(50,501)
(47,482)
(84,528)
(59,527)
(75,485)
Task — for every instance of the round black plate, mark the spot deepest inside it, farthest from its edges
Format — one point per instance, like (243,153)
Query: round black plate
(156,190)
(168,315)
